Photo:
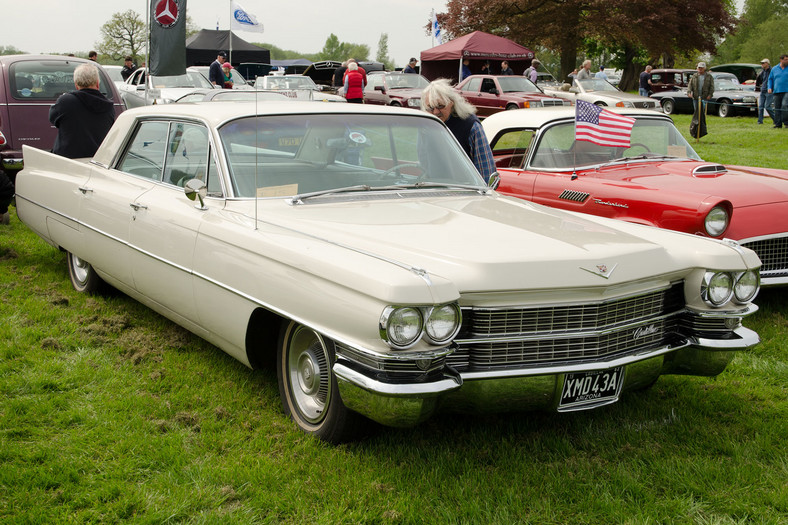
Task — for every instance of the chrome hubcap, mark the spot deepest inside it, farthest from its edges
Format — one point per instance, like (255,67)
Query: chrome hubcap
(81,268)
(308,373)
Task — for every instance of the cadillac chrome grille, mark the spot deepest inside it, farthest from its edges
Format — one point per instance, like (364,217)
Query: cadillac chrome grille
(499,338)
(773,254)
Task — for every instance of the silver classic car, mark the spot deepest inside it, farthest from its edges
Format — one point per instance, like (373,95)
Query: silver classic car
(602,93)
(359,247)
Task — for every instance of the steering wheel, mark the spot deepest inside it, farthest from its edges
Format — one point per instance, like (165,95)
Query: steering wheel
(390,172)
(639,144)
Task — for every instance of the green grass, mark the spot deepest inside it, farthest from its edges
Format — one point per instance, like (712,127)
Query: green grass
(109,413)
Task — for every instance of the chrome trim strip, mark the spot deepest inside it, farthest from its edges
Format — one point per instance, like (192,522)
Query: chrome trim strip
(743,312)
(344,373)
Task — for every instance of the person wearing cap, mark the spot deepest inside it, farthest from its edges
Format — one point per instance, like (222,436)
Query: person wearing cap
(128,67)
(215,74)
(778,86)
(227,76)
(765,98)
(701,86)
(411,67)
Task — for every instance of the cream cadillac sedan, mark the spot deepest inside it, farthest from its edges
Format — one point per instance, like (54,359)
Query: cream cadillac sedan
(359,246)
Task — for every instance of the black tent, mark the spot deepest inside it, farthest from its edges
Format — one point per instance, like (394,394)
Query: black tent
(202,48)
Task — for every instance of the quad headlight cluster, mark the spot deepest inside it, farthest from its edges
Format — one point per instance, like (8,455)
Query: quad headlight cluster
(404,326)
(718,288)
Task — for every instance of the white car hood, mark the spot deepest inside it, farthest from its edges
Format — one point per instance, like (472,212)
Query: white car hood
(498,243)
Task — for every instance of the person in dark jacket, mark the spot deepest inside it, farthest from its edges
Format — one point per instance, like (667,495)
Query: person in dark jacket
(459,115)
(128,68)
(83,117)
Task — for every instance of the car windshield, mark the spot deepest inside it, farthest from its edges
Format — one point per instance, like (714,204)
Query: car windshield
(596,84)
(406,81)
(48,79)
(285,155)
(512,84)
(191,79)
(651,138)
(726,85)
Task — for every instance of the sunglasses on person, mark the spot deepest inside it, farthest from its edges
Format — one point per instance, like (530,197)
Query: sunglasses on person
(439,107)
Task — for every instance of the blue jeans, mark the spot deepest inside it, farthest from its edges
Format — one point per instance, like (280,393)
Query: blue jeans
(765,103)
(781,109)
(643,92)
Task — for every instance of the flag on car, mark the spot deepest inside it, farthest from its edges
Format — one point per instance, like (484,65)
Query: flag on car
(600,126)
(167,37)
(243,20)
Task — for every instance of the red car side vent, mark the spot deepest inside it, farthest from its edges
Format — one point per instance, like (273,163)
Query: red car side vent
(709,170)
(577,196)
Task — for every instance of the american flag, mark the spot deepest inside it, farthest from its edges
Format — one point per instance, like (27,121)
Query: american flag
(600,126)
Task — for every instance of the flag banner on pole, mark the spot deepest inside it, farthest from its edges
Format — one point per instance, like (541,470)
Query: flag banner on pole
(436,30)
(600,126)
(168,37)
(243,20)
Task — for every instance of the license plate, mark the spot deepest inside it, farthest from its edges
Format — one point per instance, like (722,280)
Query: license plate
(590,389)
(289,141)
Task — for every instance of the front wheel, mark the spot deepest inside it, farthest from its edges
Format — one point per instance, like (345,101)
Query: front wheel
(510,107)
(308,388)
(83,277)
(725,109)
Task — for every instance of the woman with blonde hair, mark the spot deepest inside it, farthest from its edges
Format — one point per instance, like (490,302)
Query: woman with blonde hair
(459,115)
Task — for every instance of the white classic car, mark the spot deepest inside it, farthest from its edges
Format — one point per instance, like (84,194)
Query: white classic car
(602,93)
(299,87)
(141,89)
(359,246)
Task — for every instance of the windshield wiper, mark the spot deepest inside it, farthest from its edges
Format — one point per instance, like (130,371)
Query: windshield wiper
(299,199)
(642,156)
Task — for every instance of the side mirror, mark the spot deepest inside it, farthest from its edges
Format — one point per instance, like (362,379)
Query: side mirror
(382,89)
(495,181)
(196,189)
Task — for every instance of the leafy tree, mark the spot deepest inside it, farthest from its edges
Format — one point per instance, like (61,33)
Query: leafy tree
(124,34)
(333,49)
(631,27)
(383,51)
(10,50)
(760,33)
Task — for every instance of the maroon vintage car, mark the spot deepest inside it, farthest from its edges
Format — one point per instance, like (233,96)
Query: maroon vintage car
(659,180)
(670,79)
(29,85)
(491,94)
(395,89)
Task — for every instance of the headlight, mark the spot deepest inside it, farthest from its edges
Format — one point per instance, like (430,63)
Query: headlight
(532,104)
(401,327)
(625,104)
(442,323)
(747,286)
(716,221)
(414,102)
(717,288)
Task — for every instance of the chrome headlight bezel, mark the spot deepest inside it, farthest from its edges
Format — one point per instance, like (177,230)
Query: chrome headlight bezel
(392,318)
(447,333)
(746,286)
(716,221)
(717,288)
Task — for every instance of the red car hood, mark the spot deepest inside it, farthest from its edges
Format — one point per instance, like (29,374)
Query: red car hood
(742,186)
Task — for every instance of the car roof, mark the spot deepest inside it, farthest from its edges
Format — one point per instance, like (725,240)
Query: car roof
(537,117)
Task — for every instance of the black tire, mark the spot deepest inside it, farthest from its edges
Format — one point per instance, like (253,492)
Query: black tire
(83,277)
(668,106)
(512,106)
(396,104)
(308,388)
(724,109)
(600,103)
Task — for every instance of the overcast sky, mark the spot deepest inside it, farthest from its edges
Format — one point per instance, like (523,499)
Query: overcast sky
(42,26)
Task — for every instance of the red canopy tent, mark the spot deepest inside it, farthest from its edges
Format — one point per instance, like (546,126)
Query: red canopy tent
(445,61)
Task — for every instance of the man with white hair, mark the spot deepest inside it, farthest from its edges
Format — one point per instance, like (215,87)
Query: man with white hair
(585,71)
(83,117)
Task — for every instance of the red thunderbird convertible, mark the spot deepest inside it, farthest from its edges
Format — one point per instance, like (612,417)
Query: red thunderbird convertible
(659,180)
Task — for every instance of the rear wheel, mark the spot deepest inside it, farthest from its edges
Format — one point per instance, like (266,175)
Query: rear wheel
(668,106)
(725,109)
(308,388)
(83,277)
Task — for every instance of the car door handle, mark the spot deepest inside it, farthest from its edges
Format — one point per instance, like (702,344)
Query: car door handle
(85,190)
(137,206)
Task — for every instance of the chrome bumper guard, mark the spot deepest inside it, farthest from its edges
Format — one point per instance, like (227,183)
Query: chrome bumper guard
(403,404)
